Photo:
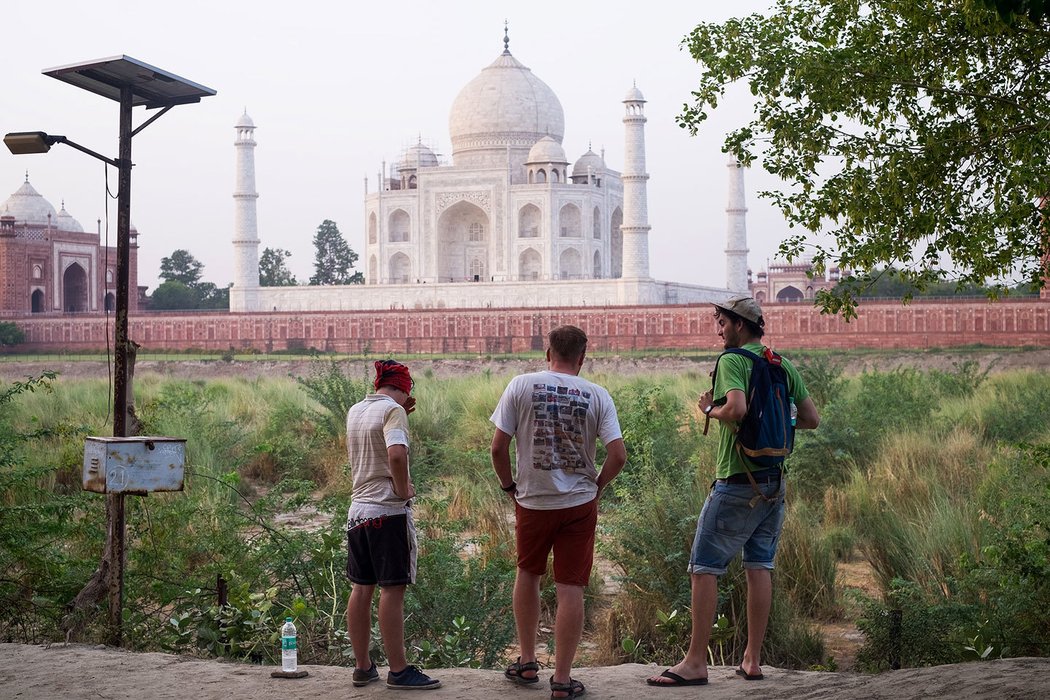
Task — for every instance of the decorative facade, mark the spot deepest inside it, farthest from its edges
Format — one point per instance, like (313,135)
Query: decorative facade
(509,223)
(790,282)
(50,265)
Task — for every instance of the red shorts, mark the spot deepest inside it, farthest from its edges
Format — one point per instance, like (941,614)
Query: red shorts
(568,531)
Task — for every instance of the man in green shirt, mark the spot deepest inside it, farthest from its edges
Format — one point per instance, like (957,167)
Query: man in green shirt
(734,518)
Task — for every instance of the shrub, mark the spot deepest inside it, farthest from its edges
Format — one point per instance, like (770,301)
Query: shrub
(10,334)
(911,629)
(1017,412)
(331,385)
(1010,577)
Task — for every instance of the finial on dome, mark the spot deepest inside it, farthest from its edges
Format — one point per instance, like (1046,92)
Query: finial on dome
(27,176)
(506,39)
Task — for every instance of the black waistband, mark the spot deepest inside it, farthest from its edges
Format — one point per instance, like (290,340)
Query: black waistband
(765,476)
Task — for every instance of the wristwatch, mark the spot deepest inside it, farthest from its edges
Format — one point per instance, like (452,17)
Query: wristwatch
(509,489)
(710,407)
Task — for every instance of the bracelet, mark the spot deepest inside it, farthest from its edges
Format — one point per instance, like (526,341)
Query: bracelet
(512,487)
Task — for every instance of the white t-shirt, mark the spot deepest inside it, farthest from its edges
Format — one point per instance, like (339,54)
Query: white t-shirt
(373,425)
(555,419)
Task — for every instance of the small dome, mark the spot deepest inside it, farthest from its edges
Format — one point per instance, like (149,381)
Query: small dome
(547,150)
(65,222)
(418,156)
(591,160)
(245,122)
(27,206)
(634,95)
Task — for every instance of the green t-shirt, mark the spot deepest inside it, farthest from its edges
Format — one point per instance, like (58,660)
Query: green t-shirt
(734,371)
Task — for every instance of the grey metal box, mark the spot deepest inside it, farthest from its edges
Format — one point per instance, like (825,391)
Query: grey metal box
(135,465)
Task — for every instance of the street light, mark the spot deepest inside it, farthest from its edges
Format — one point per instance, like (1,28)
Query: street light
(131,83)
(23,142)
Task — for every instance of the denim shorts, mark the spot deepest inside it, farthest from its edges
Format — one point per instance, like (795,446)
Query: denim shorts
(728,523)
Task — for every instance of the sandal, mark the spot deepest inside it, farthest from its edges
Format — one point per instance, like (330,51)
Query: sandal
(515,670)
(572,689)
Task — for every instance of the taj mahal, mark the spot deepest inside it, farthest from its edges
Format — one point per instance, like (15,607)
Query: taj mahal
(511,222)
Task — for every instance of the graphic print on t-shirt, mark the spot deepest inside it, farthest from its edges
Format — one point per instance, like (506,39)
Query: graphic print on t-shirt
(560,415)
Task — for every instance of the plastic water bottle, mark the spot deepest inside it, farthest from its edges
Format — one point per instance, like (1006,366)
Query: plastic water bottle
(289,655)
(794,410)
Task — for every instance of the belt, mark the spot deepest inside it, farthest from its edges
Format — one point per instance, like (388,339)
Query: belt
(759,477)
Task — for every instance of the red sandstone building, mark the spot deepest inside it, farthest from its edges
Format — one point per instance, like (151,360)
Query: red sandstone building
(50,265)
(789,282)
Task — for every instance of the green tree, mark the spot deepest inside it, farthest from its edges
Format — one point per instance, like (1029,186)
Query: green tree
(914,133)
(334,258)
(210,296)
(174,295)
(273,272)
(10,334)
(182,267)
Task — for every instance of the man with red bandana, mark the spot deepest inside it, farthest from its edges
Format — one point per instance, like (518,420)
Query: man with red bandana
(380,532)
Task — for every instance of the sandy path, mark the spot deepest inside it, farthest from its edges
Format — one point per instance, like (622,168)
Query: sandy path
(79,671)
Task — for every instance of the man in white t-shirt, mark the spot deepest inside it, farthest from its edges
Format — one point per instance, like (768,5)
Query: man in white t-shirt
(380,532)
(555,418)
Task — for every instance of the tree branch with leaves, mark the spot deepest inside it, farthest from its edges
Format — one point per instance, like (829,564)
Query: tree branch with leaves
(914,134)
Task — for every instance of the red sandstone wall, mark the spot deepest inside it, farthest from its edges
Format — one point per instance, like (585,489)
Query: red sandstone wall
(879,325)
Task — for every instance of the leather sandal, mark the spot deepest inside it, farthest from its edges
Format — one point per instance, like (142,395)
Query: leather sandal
(515,670)
(572,689)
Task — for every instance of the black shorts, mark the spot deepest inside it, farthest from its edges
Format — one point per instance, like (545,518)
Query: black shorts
(382,551)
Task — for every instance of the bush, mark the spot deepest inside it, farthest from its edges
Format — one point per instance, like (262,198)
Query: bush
(1018,409)
(459,611)
(10,334)
(1010,577)
(853,424)
(331,385)
(911,630)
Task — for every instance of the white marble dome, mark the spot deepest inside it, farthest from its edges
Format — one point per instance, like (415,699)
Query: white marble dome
(547,150)
(418,156)
(28,206)
(634,95)
(65,222)
(505,105)
(245,122)
(591,160)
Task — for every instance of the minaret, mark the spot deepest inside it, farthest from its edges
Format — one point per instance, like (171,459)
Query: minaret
(635,207)
(736,236)
(244,295)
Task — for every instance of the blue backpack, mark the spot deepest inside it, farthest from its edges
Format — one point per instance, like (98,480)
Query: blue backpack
(766,435)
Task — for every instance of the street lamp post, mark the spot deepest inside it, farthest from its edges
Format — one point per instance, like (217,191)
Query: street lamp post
(131,83)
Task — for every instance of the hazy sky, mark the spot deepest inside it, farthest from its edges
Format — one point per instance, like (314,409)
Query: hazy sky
(334,88)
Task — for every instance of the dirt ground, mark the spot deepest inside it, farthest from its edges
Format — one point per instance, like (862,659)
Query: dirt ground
(995,360)
(79,671)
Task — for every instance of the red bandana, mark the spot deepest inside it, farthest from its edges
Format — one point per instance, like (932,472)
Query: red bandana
(395,374)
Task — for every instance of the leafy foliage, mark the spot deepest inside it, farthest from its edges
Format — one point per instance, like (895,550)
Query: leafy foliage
(10,334)
(912,132)
(173,295)
(335,390)
(182,287)
(273,270)
(182,267)
(910,630)
(333,257)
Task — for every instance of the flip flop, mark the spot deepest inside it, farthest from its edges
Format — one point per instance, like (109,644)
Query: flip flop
(747,676)
(677,680)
